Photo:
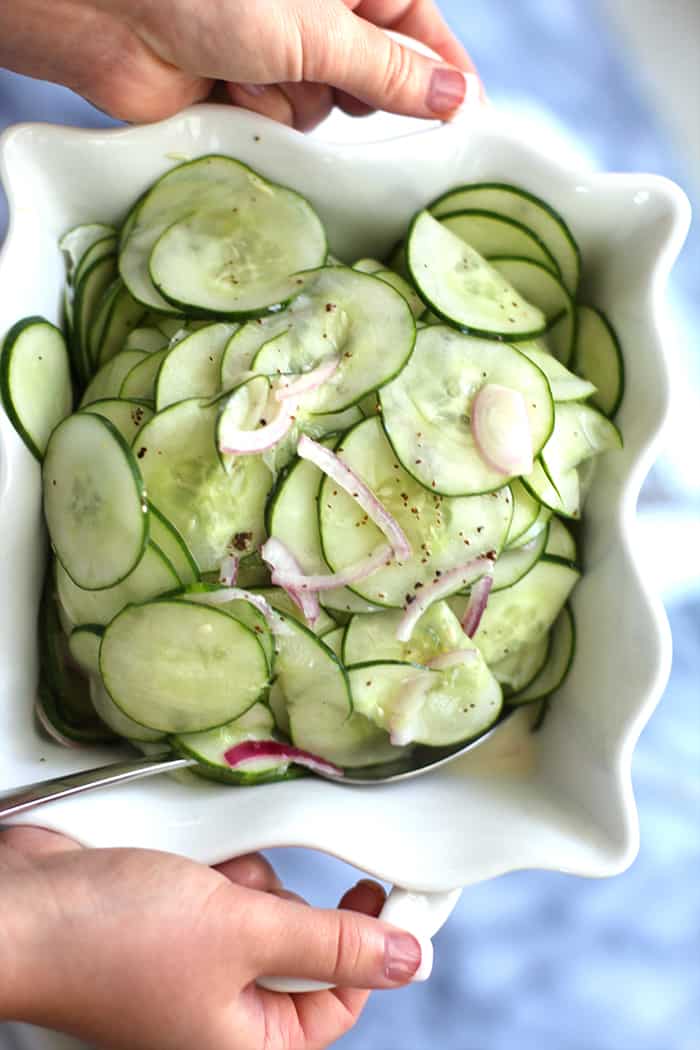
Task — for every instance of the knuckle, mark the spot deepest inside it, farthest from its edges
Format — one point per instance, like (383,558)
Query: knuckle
(397,73)
(348,945)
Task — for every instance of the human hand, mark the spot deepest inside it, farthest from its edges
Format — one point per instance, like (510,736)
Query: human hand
(291,60)
(137,949)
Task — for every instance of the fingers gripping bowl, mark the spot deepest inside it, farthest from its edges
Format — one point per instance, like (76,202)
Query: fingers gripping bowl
(559,799)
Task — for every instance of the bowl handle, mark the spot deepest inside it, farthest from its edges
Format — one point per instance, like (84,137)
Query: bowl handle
(422,914)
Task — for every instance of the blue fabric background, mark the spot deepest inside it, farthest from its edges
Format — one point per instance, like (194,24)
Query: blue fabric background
(540,961)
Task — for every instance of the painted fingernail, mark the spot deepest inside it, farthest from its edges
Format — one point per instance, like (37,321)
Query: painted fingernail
(449,89)
(253,89)
(402,956)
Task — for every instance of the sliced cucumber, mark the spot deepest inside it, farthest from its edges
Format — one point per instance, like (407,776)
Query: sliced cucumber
(401,285)
(517,671)
(580,432)
(490,234)
(101,249)
(560,542)
(293,519)
(172,545)
(539,286)
(94,501)
(463,288)
(565,385)
(154,575)
(107,383)
(209,748)
(426,410)
(459,704)
(193,366)
(115,718)
(513,564)
(210,507)
(84,647)
(35,383)
(180,667)
(559,661)
(520,615)
(146,338)
(444,532)
(599,359)
(124,315)
(368,265)
(76,242)
(141,380)
(374,635)
(317,694)
(127,416)
(281,601)
(214,235)
(241,609)
(514,203)
(525,512)
(334,641)
(358,317)
(91,288)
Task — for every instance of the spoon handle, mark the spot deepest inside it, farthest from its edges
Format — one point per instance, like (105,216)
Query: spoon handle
(18,800)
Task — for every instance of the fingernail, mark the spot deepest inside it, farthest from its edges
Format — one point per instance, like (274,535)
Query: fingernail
(450,88)
(253,89)
(402,956)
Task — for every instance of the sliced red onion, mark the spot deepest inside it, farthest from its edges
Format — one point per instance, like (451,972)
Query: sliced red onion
(445,584)
(228,570)
(501,429)
(50,729)
(282,561)
(359,571)
(447,660)
(348,480)
(254,750)
(476,606)
(307,382)
(237,442)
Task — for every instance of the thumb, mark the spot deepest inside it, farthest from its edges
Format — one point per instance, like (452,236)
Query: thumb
(354,56)
(345,948)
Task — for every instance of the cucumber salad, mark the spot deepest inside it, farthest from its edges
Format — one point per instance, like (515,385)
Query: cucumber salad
(307,513)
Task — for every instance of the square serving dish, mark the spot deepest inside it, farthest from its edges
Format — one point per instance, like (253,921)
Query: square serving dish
(560,799)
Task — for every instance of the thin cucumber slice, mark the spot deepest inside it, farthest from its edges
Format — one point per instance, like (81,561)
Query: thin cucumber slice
(84,648)
(209,748)
(517,671)
(512,565)
(580,432)
(124,315)
(598,357)
(209,506)
(180,667)
(525,511)
(241,609)
(368,265)
(278,706)
(317,694)
(105,246)
(88,295)
(334,641)
(107,383)
(490,234)
(232,240)
(94,501)
(524,207)
(145,338)
(172,545)
(293,519)
(565,385)
(438,631)
(35,382)
(140,381)
(426,410)
(561,336)
(538,285)
(463,288)
(520,615)
(356,316)
(252,572)
(115,718)
(193,366)
(455,705)
(401,285)
(541,521)
(76,242)
(560,542)
(444,532)
(281,601)
(559,661)
(127,416)
(154,575)
(97,327)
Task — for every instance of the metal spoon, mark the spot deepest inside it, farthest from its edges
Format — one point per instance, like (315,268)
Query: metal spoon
(420,761)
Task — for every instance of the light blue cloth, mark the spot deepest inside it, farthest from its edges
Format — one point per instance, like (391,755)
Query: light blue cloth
(539,961)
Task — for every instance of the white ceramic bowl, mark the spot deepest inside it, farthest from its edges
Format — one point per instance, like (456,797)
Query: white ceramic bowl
(559,800)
